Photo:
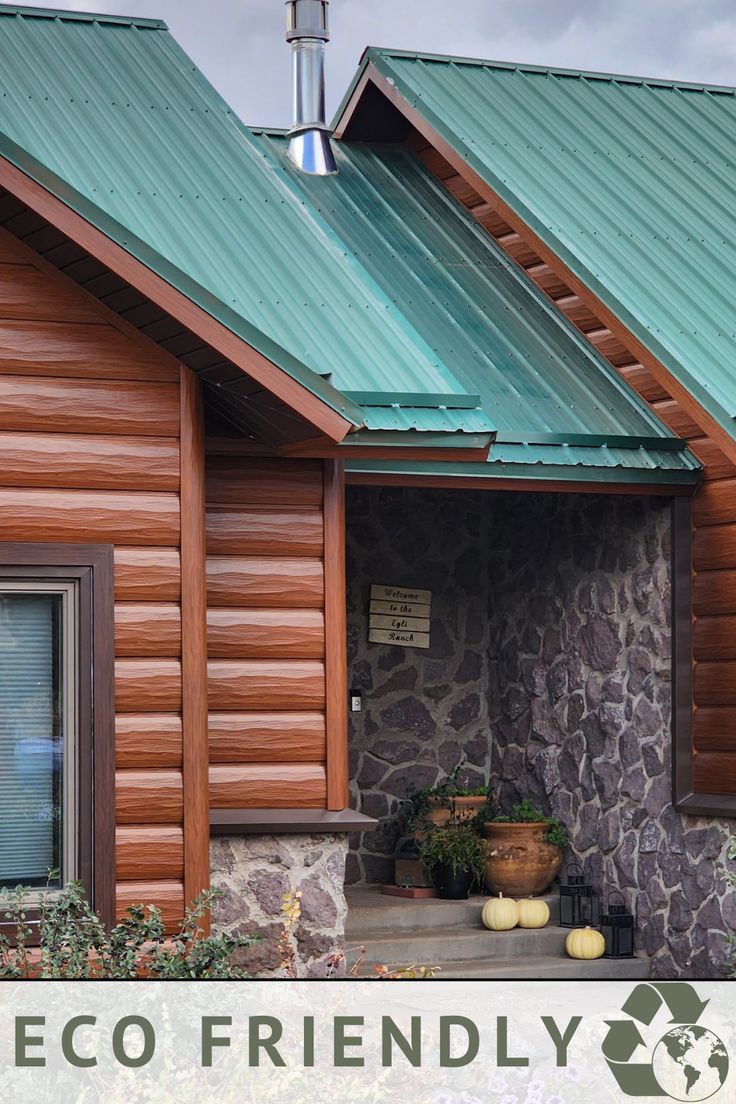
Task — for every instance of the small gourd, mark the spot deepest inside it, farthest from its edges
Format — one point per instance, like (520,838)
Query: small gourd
(533,913)
(500,913)
(585,943)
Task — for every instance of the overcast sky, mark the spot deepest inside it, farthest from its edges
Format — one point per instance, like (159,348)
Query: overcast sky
(239,44)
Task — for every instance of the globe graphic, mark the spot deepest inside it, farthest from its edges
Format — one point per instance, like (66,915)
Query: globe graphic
(690,1063)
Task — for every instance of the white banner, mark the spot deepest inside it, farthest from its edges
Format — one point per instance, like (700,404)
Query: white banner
(426,1042)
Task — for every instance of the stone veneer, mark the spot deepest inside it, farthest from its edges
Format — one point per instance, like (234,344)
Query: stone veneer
(550,671)
(254,872)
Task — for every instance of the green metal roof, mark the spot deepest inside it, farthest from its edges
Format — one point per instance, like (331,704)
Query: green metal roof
(484,318)
(375,288)
(631,181)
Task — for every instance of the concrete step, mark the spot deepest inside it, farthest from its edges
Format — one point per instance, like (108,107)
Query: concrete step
(435,946)
(543,967)
(371,912)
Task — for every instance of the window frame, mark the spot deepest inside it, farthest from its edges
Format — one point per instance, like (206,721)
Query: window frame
(91,569)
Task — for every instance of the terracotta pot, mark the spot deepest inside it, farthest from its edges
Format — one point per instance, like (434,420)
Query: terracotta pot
(438,812)
(520,863)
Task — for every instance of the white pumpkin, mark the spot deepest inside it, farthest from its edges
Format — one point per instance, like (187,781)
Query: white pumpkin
(533,913)
(500,913)
(585,943)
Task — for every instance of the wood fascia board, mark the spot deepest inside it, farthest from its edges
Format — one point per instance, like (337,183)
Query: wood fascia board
(491,483)
(377,452)
(367,77)
(212,332)
(678,391)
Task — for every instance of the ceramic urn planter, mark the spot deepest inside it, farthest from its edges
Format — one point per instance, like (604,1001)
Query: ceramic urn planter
(520,863)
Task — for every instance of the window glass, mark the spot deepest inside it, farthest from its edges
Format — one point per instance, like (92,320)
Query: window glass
(34,688)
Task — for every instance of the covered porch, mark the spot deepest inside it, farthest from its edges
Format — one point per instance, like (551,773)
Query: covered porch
(548,672)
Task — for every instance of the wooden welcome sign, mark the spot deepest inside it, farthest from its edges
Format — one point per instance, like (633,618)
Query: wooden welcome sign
(400,616)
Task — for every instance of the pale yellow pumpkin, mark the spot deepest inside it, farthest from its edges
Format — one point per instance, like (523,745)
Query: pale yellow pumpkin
(500,913)
(585,943)
(533,913)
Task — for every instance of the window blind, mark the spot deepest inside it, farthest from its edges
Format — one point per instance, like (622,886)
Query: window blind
(30,737)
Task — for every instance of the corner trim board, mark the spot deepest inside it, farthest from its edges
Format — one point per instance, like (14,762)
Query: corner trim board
(195,751)
(336,662)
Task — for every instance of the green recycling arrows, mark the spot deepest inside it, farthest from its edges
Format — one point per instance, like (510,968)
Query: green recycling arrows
(623,1038)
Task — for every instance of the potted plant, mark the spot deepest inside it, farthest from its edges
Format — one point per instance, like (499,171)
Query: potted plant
(524,850)
(449,800)
(454,855)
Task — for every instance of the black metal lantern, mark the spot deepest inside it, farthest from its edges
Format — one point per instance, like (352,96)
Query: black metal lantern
(617,926)
(579,903)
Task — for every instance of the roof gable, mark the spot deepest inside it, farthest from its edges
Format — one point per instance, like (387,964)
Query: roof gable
(631,182)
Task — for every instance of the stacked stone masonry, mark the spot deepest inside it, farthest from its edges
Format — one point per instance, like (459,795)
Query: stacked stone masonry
(549,671)
(255,873)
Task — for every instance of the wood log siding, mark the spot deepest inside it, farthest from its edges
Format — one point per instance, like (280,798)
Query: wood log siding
(90,453)
(714,505)
(266,632)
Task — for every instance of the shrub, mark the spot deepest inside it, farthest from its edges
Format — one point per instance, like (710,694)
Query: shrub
(73,942)
(456,845)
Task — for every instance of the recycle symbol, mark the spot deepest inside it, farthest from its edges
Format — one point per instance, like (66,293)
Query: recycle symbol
(619,1045)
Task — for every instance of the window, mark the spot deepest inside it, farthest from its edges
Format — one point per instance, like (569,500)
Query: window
(56,719)
(38,732)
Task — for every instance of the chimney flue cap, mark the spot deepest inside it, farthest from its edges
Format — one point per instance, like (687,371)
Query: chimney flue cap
(307,19)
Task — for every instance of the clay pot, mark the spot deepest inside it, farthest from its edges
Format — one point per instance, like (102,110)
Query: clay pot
(439,814)
(520,863)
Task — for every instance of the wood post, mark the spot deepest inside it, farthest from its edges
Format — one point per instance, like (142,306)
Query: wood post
(195,759)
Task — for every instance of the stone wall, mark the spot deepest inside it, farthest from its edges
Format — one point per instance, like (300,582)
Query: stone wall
(550,667)
(254,873)
(423,711)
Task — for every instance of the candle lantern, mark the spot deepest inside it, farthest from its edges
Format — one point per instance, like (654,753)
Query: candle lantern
(579,903)
(617,926)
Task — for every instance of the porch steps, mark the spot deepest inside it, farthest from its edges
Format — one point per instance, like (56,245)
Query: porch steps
(450,935)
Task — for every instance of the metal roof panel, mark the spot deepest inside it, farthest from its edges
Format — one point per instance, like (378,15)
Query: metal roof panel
(631,181)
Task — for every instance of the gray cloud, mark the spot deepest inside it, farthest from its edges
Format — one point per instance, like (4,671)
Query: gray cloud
(239,43)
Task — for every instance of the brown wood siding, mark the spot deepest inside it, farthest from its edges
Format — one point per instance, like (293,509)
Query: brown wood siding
(90,453)
(266,632)
(714,506)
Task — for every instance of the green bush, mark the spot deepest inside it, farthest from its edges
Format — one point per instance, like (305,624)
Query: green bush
(73,943)
(458,845)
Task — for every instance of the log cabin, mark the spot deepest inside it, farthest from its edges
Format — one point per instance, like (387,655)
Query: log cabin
(478,342)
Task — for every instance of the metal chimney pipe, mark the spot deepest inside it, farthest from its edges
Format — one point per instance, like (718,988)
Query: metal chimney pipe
(306,30)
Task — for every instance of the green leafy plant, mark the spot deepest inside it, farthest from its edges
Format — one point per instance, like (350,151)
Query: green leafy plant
(458,846)
(73,943)
(444,793)
(526,812)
